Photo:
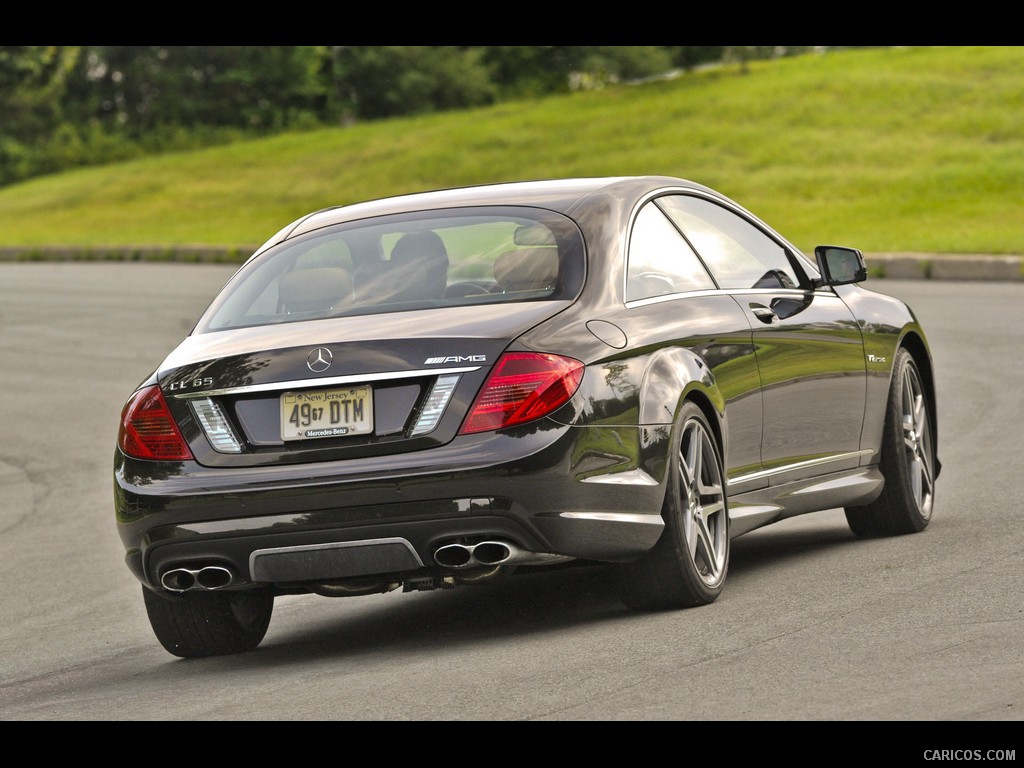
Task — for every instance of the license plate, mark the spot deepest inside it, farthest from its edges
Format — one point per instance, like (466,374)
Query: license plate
(326,413)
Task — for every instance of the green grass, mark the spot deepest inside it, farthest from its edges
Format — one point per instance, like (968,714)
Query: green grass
(915,149)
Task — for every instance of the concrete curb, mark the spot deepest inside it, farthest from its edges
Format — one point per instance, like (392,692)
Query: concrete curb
(912,266)
(899,266)
(209,254)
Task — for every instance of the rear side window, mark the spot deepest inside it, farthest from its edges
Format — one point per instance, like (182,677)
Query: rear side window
(661,262)
(405,262)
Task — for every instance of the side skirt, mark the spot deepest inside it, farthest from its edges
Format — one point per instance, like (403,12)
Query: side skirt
(755,509)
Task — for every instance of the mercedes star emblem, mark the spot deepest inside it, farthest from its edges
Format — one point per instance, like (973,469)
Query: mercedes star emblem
(319,359)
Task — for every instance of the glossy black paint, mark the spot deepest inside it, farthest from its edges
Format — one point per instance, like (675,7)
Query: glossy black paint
(793,381)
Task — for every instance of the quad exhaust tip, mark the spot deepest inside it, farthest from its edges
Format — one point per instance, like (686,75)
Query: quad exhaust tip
(490,553)
(206,578)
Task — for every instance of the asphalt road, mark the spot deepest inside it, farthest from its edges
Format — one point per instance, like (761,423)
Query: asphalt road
(814,625)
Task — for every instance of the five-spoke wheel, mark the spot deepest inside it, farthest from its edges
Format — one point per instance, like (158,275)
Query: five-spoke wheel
(689,563)
(907,460)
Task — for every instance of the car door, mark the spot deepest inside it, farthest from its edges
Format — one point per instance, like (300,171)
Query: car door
(673,302)
(808,346)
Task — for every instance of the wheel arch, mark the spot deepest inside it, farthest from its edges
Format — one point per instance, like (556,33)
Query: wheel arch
(917,346)
(701,399)
(675,376)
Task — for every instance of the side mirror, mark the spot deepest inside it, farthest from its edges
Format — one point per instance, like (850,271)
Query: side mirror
(840,266)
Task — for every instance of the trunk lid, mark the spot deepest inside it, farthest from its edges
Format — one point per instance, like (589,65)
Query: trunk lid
(338,388)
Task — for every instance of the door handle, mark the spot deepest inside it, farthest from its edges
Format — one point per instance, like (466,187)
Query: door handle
(763,313)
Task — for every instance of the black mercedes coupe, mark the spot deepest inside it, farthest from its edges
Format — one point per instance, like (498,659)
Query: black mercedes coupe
(442,388)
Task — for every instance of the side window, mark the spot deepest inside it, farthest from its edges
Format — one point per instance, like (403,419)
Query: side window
(737,252)
(660,260)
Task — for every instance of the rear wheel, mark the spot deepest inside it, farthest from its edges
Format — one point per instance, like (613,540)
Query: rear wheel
(199,624)
(907,460)
(688,565)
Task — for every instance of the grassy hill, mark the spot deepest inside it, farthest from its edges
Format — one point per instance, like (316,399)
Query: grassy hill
(917,149)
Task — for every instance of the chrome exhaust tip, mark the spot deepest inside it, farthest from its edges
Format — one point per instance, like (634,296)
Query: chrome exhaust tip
(490,553)
(214,577)
(493,552)
(206,578)
(472,555)
(178,580)
(454,556)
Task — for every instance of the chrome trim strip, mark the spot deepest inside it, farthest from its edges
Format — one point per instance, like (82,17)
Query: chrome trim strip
(678,295)
(716,292)
(328,381)
(614,517)
(800,465)
(632,477)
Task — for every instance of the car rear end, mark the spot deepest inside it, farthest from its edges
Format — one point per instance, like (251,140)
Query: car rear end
(357,410)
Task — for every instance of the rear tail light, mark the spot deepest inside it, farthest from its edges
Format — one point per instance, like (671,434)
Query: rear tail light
(148,430)
(522,387)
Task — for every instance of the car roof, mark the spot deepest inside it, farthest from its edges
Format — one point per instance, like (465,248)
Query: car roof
(561,195)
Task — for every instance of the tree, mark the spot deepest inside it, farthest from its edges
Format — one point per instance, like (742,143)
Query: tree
(32,87)
(139,89)
(529,71)
(33,82)
(376,81)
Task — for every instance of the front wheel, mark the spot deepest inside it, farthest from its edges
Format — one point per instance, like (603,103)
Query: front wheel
(198,624)
(688,565)
(907,461)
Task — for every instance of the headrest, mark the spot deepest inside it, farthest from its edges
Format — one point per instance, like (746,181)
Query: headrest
(419,247)
(533,234)
(315,288)
(528,269)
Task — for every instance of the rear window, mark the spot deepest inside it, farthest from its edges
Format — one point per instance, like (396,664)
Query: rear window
(406,262)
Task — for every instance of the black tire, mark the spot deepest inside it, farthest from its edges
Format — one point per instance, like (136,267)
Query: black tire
(688,565)
(198,624)
(907,460)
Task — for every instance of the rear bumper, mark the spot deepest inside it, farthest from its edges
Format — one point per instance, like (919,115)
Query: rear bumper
(387,516)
